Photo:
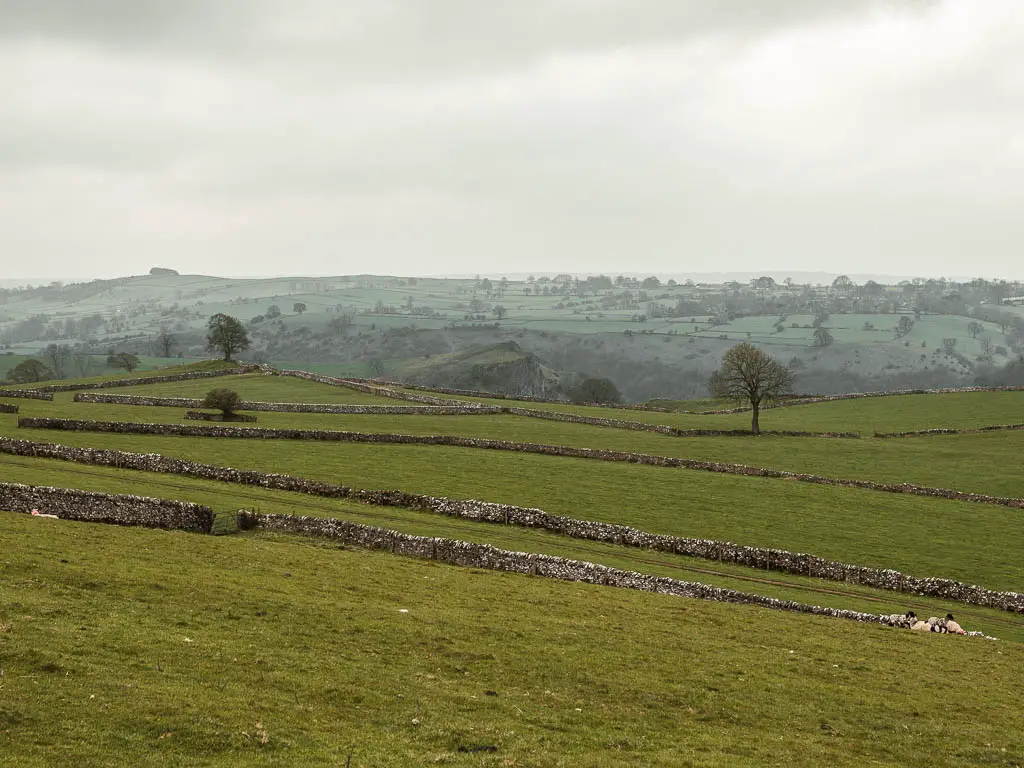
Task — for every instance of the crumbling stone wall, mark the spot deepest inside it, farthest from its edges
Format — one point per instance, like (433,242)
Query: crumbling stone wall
(26,394)
(8,408)
(118,509)
(472,555)
(482,511)
(253,405)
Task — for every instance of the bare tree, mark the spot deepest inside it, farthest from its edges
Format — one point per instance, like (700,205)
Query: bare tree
(165,342)
(58,356)
(750,376)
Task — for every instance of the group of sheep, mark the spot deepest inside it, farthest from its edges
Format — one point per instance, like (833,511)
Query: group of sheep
(947,625)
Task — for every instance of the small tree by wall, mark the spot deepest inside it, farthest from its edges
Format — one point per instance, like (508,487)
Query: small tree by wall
(225,400)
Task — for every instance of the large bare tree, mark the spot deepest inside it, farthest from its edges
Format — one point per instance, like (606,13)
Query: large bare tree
(750,376)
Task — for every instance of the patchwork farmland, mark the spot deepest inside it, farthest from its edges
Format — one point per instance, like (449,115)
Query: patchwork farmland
(505,582)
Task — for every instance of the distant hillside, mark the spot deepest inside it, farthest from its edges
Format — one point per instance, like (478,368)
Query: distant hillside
(503,368)
(652,338)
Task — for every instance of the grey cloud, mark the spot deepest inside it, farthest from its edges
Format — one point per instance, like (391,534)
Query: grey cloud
(405,39)
(428,136)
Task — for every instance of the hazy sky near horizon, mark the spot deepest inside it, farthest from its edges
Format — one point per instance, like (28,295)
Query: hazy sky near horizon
(458,136)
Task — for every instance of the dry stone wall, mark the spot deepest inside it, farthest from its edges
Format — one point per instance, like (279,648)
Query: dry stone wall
(265,433)
(26,394)
(502,396)
(482,511)
(8,408)
(373,390)
(118,509)
(336,408)
(664,429)
(944,431)
(472,555)
(115,383)
(802,399)
(560,416)
(204,416)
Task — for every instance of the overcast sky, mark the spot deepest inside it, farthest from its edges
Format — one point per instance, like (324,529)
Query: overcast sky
(460,136)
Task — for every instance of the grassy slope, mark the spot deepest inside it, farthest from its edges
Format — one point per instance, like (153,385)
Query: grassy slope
(280,389)
(189,649)
(206,365)
(973,462)
(895,413)
(227,499)
(972,542)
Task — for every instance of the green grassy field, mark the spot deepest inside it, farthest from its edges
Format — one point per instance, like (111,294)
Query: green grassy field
(227,499)
(972,462)
(971,542)
(894,413)
(275,389)
(307,641)
(199,650)
(167,370)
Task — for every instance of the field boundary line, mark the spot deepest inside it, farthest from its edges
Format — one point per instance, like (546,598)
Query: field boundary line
(482,511)
(273,407)
(597,454)
(472,555)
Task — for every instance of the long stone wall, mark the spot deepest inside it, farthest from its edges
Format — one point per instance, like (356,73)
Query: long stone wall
(132,382)
(472,555)
(8,408)
(502,396)
(264,433)
(118,509)
(800,399)
(26,394)
(374,390)
(664,429)
(950,431)
(567,417)
(220,417)
(253,405)
(504,514)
